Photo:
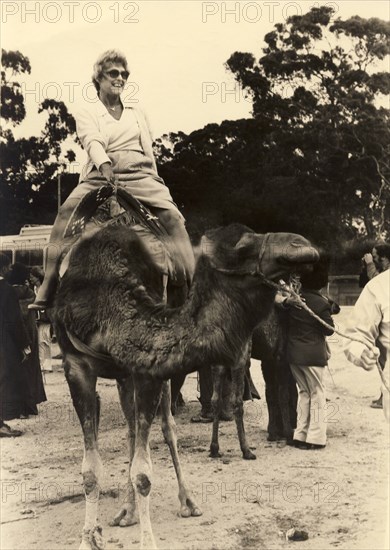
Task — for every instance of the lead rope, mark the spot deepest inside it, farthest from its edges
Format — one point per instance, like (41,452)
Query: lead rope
(285,288)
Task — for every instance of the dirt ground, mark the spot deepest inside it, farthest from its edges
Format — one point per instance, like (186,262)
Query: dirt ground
(339,495)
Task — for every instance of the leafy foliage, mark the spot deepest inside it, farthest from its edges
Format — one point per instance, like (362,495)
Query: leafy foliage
(315,157)
(30,166)
(12,102)
(323,98)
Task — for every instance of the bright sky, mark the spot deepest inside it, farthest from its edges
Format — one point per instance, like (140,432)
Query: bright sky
(176,51)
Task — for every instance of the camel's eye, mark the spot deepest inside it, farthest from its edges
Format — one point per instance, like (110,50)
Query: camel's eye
(296,244)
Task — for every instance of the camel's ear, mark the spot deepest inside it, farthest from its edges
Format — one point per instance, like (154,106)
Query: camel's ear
(247,241)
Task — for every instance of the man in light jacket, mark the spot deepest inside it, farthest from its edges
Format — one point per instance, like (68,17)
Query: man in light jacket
(370,323)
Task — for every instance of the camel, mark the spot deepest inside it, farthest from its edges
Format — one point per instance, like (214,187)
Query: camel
(267,344)
(111,322)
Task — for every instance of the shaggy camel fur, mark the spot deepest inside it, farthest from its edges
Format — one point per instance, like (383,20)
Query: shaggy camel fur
(109,305)
(267,344)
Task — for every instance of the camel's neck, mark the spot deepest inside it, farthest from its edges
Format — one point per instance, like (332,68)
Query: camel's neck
(211,327)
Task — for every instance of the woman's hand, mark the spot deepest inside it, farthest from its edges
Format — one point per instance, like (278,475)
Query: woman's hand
(368,259)
(107,172)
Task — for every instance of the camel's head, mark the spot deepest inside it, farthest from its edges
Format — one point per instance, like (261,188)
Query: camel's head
(237,250)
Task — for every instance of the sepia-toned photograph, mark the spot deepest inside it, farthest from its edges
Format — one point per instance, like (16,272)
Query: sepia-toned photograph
(195,275)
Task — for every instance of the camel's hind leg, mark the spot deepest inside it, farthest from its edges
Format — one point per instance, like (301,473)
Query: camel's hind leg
(188,506)
(147,393)
(219,374)
(82,385)
(238,383)
(127,514)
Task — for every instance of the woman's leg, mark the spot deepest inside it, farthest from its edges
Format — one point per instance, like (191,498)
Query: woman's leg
(173,222)
(44,343)
(55,247)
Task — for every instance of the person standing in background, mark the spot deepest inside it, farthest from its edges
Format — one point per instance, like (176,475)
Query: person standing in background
(43,323)
(307,356)
(375,263)
(370,323)
(14,349)
(378,261)
(34,389)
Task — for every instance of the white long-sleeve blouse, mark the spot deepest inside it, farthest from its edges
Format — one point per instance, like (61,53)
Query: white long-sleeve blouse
(100,133)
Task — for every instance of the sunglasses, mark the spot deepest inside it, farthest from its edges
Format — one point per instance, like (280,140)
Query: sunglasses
(114,73)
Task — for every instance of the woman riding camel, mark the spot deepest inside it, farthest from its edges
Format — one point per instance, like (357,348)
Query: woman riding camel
(118,141)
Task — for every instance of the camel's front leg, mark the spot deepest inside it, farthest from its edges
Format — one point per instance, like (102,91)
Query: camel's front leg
(188,505)
(219,373)
(147,393)
(82,387)
(126,515)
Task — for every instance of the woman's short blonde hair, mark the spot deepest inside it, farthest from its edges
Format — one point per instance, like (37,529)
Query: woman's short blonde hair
(110,56)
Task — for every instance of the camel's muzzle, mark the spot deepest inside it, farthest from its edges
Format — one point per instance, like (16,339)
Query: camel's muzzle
(297,255)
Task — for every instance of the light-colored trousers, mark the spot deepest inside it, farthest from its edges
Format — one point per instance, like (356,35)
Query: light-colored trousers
(311,424)
(44,343)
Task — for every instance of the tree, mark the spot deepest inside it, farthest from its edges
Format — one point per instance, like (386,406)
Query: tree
(314,157)
(12,101)
(30,166)
(316,87)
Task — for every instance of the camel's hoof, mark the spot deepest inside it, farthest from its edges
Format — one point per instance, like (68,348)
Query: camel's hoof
(123,519)
(127,521)
(92,539)
(215,454)
(248,455)
(190,509)
(214,451)
(196,512)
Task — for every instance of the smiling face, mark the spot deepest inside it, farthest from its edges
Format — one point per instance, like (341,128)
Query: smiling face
(113,80)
